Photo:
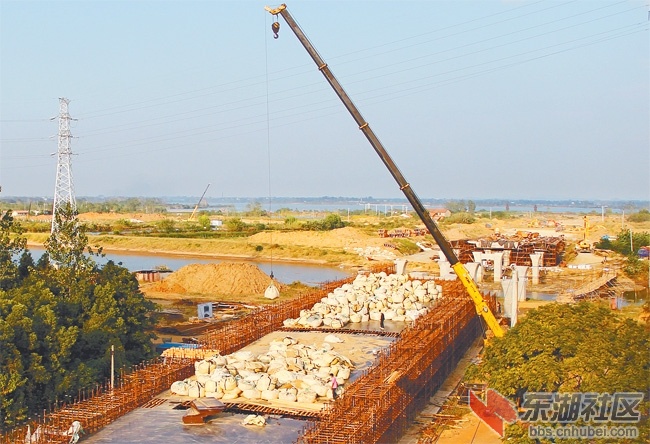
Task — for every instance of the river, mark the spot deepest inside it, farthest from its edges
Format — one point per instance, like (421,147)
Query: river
(284,272)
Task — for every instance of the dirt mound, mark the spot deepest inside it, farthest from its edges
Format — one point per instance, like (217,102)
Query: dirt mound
(347,237)
(222,278)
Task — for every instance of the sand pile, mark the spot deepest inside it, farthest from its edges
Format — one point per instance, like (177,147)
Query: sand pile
(231,278)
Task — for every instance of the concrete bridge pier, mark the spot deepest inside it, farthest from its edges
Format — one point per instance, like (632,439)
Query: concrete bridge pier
(475,270)
(497,259)
(521,271)
(446,272)
(536,259)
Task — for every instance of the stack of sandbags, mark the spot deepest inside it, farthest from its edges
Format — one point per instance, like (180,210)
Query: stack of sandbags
(288,371)
(367,297)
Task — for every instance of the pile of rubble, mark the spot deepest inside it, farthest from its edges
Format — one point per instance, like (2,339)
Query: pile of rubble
(366,298)
(288,371)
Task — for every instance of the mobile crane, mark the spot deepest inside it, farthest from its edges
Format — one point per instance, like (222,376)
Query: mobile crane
(472,289)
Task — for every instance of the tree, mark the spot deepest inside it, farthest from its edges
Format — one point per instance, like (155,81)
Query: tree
(641,216)
(471,207)
(167,225)
(204,221)
(568,348)
(456,206)
(561,347)
(255,209)
(60,317)
(12,243)
(234,224)
(332,221)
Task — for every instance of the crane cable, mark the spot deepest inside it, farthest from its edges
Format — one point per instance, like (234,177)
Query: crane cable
(268,151)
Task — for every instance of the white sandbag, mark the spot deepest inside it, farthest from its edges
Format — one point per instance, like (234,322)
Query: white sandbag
(255,366)
(202,379)
(251,394)
(320,389)
(229,396)
(343,373)
(263,383)
(228,383)
(314,321)
(179,388)
(271,292)
(284,376)
(389,314)
(288,395)
(295,365)
(289,323)
(277,345)
(270,395)
(307,396)
(244,355)
(237,365)
(219,360)
(256,420)
(245,385)
(276,366)
(324,360)
(202,367)
(195,390)
(332,338)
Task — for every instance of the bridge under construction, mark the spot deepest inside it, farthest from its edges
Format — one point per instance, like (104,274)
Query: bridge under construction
(377,406)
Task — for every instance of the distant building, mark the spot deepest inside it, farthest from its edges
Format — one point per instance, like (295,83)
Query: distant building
(147,275)
(439,213)
(20,213)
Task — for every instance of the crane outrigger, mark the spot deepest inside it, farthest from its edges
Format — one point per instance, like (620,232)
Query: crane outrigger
(482,307)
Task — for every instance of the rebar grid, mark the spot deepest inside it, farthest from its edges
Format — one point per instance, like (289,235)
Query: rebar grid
(378,405)
(97,407)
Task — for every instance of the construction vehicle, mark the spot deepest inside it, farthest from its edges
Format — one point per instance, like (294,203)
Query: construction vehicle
(482,307)
(584,246)
(196,207)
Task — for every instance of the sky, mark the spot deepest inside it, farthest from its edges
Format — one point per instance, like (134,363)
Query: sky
(513,99)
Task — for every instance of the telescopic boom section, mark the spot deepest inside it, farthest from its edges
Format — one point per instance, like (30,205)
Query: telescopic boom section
(462,273)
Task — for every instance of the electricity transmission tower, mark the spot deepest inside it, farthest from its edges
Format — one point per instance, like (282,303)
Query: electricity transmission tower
(64,189)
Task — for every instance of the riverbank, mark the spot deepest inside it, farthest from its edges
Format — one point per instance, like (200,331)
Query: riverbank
(340,247)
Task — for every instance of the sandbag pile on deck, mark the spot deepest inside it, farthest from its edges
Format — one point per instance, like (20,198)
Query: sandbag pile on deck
(397,297)
(288,371)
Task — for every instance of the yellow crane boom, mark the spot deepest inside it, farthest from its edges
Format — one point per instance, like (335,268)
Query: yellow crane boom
(472,289)
(196,207)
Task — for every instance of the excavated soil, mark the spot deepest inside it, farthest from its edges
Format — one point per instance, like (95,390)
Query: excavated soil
(238,279)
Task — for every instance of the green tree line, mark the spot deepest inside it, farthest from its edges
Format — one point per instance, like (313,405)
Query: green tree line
(59,318)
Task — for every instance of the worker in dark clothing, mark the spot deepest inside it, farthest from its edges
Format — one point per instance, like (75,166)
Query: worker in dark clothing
(381,320)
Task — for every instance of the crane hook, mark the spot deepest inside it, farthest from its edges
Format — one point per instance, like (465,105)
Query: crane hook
(275,27)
